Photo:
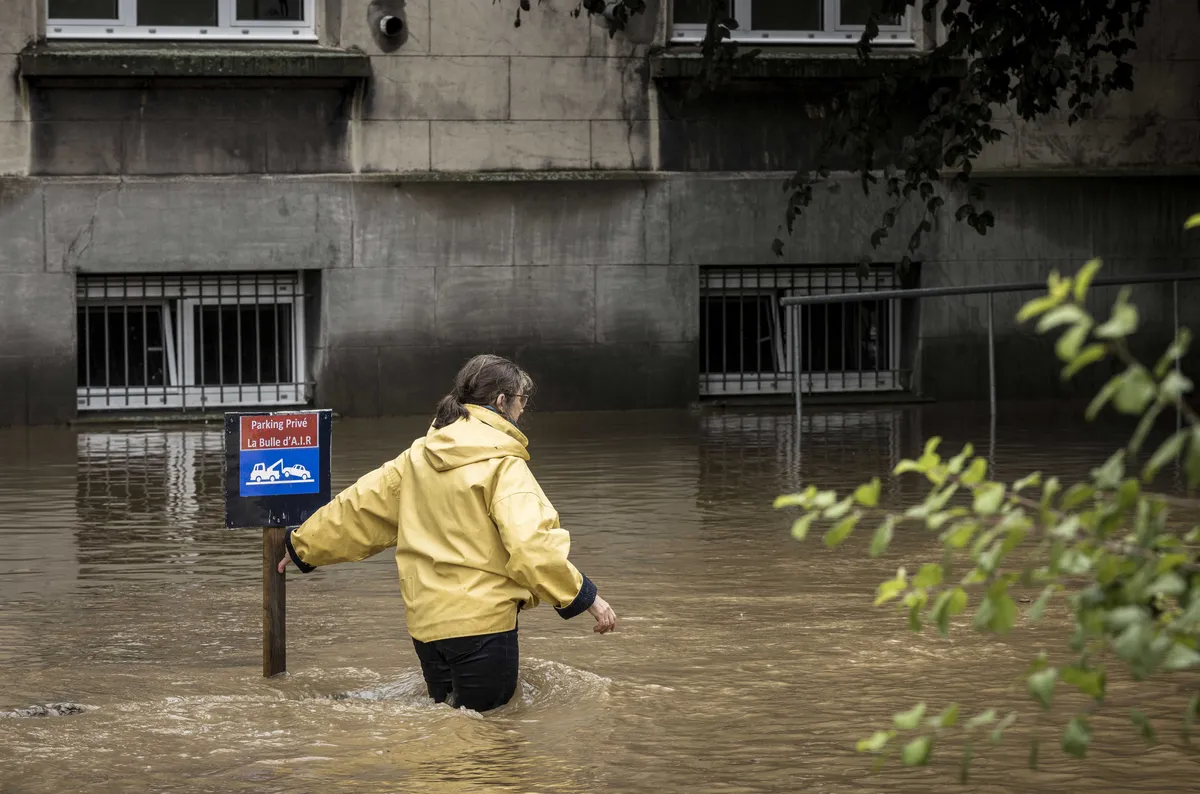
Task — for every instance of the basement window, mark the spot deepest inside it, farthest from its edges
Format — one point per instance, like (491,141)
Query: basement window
(190,342)
(181,19)
(750,345)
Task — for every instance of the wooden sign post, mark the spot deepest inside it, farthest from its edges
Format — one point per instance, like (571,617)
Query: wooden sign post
(276,476)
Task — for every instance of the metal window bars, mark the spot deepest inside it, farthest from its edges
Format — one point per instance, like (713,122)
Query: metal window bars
(187,342)
(749,346)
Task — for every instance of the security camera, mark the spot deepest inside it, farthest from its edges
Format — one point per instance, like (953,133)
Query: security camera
(391,26)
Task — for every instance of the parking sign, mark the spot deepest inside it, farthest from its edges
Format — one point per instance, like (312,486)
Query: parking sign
(276,467)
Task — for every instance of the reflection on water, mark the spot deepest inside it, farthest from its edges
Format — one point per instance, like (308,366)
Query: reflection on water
(745,662)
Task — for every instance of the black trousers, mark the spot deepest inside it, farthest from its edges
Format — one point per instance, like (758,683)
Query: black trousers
(477,672)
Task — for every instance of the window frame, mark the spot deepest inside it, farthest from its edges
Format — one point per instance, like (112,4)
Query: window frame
(179,296)
(227,28)
(835,31)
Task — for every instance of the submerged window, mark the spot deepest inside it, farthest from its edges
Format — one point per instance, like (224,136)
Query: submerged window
(790,21)
(190,341)
(750,345)
(180,19)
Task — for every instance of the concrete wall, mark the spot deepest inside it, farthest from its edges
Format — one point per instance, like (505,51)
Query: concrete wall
(516,189)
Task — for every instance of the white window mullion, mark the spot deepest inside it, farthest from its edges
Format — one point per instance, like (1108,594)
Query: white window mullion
(832,18)
(128,13)
(742,12)
(226,14)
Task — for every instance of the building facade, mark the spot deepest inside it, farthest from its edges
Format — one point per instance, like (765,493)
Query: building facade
(222,203)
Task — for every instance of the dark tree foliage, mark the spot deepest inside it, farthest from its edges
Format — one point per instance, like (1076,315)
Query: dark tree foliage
(1034,56)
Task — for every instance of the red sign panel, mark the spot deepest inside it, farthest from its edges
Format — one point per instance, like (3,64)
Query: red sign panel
(291,431)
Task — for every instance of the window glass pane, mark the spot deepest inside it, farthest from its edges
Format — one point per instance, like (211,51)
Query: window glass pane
(268,10)
(243,344)
(855,12)
(786,14)
(83,9)
(177,12)
(121,346)
(694,12)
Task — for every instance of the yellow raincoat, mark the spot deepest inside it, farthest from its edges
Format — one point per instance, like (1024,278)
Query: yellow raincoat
(476,539)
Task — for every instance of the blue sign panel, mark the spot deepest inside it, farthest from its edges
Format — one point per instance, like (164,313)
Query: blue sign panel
(276,467)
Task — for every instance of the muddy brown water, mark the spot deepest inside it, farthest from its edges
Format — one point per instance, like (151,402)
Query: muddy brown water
(744,662)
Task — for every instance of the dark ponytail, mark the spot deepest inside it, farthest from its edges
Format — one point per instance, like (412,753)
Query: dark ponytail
(481,381)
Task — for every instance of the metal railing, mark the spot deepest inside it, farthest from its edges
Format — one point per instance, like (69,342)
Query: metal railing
(794,305)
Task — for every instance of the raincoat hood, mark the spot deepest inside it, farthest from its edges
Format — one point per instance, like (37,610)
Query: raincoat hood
(484,435)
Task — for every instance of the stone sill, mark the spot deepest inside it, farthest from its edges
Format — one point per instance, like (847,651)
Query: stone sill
(136,60)
(800,63)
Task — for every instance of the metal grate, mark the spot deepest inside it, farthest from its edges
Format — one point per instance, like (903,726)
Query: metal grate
(748,342)
(190,341)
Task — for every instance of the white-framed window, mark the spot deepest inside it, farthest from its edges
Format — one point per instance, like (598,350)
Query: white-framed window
(749,344)
(190,342)
(791,21)
(292,20)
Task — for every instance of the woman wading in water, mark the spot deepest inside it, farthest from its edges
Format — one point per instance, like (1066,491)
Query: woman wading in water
(476,539)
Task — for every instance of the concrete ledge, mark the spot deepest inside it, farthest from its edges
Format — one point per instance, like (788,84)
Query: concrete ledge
(792,64)
(190,60)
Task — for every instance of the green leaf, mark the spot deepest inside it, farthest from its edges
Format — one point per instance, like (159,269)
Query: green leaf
(1067,314)
(1083,279)
(876,742)
(930,575)
(1189,717)
(947,719)
(1142,723)
(960,534)
(867,494)
(794,499)
(1039,606)
(840,509)
(1135,391)
(1068,346)
(1177,349)
(1167,451)
(1109,475)
(955,464)
(1037,306)
(1076,737)
(892,588)
(964,769)
(909,720)
(1033,480)
(1085,358)
(1192,222)
(841,530)
(824,499)
(996,613)
(997,733)
(1103,396)
(1168,584)
(1180,657)
(1074,562)
(1123,321)
(1089,682)
(1041,685)
(916,752)
(1174,386)
(1191,465)
(883,536)
(975,473)
(1076,495)
(982,718)
(801,525)
(988,498)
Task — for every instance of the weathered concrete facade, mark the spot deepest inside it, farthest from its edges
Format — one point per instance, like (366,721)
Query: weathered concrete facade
(534,190)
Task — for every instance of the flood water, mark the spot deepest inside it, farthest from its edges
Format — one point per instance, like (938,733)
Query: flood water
(744,662)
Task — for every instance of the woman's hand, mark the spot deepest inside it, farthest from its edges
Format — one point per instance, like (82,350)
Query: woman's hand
(606,619)
(287,558)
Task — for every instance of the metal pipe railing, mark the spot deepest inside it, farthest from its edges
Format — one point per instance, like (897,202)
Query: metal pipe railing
(794,304)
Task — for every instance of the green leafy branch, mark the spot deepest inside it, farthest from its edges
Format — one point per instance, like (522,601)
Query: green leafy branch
(1130,575)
